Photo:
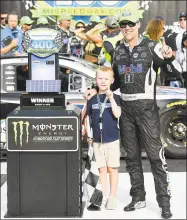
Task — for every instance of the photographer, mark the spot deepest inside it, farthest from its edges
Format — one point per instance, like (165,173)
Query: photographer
(94,42)
(75,43)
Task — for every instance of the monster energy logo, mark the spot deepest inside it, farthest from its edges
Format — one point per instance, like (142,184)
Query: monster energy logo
(21,125)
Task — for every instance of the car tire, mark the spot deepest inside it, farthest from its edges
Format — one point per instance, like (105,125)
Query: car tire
(173,133)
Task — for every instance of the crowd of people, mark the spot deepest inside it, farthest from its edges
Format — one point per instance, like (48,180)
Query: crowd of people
(131,62)
(96,41)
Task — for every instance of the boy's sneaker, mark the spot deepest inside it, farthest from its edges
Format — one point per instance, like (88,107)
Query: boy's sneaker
(166,212)
(103,204)
(111,203)
(135,204)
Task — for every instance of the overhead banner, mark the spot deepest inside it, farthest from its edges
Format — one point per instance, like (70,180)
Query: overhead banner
(80,10)
(75,11)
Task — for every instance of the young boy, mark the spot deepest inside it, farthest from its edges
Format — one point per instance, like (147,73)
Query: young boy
(104,110)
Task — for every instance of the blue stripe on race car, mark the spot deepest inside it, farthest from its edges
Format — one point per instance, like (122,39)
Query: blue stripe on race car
(80,106)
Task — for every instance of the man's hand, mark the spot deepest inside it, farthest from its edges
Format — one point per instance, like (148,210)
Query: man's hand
(110,94)
(17,54)
(99,27)
(166,50)
(90,93)
(14,43)
(79,30)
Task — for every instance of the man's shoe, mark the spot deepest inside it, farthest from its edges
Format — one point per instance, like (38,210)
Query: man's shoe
(166,212)
(93,207)
(135,204)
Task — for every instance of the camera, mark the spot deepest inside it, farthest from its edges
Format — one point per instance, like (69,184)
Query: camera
(91,25)
(74,42)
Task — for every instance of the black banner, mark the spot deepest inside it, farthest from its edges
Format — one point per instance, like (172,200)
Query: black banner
(32,101)
(42,133)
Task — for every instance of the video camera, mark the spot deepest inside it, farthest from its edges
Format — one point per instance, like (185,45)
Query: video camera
(74,42)
(91,25)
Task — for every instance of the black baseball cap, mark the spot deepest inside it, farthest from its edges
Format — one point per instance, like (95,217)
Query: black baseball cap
(183,14)
(159,18)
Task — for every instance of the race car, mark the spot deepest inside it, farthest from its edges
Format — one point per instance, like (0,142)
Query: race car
(78,75)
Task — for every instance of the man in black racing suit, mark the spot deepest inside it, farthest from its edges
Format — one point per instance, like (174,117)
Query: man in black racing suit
(135,65)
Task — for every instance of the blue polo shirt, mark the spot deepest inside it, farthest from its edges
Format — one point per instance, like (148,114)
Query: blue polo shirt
(110,127)
(15,33)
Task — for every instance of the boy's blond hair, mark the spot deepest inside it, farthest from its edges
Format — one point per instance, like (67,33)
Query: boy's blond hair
(105,69)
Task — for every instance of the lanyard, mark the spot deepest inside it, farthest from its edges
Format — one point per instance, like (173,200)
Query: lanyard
(102,108)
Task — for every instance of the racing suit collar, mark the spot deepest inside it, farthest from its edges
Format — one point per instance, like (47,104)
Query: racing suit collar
(137,43)
(67,31)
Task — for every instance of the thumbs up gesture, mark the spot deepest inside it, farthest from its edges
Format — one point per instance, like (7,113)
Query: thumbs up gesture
(166,50)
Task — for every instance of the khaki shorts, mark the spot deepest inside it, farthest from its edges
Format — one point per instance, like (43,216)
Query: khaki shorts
(107,154)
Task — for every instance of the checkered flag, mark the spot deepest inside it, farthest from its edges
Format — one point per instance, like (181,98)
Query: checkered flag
(26,41)
(28,4)
(58,40)
(145,4)
(91,186)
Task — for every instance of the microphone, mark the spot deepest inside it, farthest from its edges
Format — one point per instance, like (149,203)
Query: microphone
(15,33)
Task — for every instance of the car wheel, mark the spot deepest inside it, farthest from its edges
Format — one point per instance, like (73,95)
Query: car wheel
(173,133)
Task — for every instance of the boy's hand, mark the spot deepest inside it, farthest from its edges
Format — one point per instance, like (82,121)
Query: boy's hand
(110,94)
(89,140)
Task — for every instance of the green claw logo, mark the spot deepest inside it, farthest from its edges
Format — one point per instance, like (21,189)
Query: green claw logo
(21,125)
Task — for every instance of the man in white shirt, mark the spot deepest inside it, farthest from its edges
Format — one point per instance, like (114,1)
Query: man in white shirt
(181,57)
(181,29)
(182,22)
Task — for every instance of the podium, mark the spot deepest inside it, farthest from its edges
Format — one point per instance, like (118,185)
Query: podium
(44,165)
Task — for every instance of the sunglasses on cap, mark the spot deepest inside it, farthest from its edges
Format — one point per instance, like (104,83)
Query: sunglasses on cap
(129,23)
(182,19)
